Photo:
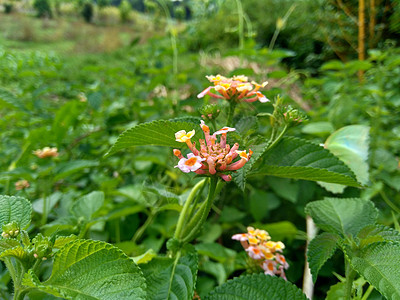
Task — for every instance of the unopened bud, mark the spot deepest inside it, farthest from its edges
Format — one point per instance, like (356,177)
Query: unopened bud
(210,111)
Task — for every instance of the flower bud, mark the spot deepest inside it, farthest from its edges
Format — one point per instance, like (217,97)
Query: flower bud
(210,111)
(10,230)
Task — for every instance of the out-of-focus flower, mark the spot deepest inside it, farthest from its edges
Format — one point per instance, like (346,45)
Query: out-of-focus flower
(265,252)
(82,97)
(213,157)
(46,152)
(236,88)
(21,184)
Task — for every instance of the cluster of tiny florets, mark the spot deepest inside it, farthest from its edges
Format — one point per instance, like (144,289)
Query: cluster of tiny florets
(267,253)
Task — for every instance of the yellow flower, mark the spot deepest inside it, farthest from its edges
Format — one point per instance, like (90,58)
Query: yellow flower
(182,137)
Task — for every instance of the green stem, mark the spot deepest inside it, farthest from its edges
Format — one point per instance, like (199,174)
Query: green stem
(367,293)
(232,106)
(44,214)
(184,216)
(241,28)
(388,202)
(200,217)
(277,139)
(350,275)
(138,234)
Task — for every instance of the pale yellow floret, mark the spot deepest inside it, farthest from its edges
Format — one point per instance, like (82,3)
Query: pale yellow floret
(182,137)
(243,154)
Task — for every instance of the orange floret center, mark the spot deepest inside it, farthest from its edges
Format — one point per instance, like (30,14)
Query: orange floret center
(191,161)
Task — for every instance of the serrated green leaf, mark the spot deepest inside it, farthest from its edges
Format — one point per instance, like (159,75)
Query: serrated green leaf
(342,215)
(66,169)
(377,233)
(171,278)
(15,209)
(85,269)
(157,133)
(61,241)
(17,252)
(239,177)
(88,205)
(320,249)
(379,264)
(256,287)
(300,159)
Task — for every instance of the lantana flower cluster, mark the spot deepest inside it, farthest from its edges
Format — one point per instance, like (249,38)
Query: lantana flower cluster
(267,253)
(213,158)
(236,88)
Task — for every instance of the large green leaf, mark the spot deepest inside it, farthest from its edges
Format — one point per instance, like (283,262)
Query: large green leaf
(158,133)
(300,159)
(15,209)
(320,249)
(379,264)
(88,205)
(342,216)
(256,287)
(85,269)
(171,278)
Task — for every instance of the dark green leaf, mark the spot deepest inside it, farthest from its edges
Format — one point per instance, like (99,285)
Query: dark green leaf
(256,287)
(159,133)
(15,209)
(171,278)
(320,249)
(85,269)
(342,216)
(299,159)
(379,264)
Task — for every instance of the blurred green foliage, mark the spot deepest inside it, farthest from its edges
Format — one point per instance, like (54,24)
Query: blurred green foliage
(51,96)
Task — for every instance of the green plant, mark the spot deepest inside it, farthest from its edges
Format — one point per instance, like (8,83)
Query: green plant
(125,9)
(87,11)
(42,8)
(370,250)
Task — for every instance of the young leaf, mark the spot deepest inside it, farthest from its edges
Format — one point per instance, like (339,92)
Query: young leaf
(255,287)
(15,209)
(350,144)
(6,244)
(342,216)
(158,133)
(320,249)
(171,278)
(337,292)
(85,269)
(377,233)
(379,264)
(300,159)
(88,205)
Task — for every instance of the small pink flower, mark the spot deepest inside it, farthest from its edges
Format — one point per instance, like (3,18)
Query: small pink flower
(269,267)
(225,130)
(235,88)
(192,163)
(242,237)
(255,252)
